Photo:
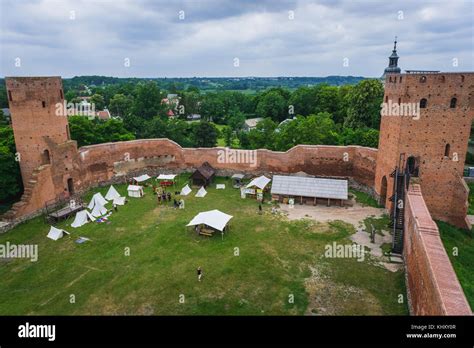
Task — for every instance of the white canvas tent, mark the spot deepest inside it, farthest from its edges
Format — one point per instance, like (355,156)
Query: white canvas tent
(142,178)
(56,233)
(98,210)
(119,201)
(259,182)
(202,192)
(82,218)
(97,199)
(166,176)
(213,218)
(135,191)
(186,190)
(112,194)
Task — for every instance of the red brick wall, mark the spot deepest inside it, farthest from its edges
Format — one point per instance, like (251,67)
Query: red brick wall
(433,287)
(101,162)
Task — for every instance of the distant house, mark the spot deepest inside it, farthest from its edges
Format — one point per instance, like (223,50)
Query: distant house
(251,123)
(104,114)
(203,175)
(172,101)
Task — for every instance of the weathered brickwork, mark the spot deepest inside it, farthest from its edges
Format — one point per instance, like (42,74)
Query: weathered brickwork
(432,283)
(437,141)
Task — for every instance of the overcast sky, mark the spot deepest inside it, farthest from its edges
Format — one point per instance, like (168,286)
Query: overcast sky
(204,37)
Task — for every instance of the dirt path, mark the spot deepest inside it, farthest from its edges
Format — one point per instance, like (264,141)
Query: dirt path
(354,215)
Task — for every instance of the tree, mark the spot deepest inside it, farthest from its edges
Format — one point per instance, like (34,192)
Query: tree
(10,176)
(272,105)
(205,134)
(212,108)
(147,103)
(236,120)
(263,135)
(95,131)
(313,129)
(361,136)
(228,135)
(98,101)
(120,105)
(190,103)
(364,102)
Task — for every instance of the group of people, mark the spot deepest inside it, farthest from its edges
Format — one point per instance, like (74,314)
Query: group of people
(163,197)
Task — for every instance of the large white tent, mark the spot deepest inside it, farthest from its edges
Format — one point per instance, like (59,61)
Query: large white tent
(135,191)
(259,182)
(98,210)
(119,201)
(212,218)
(202,192)
(56,233)
(112,194)
(166,176)
(141,178)
(97,199)
(186,190)
(82,218)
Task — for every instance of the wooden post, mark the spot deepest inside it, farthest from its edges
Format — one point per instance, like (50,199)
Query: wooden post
(329,202)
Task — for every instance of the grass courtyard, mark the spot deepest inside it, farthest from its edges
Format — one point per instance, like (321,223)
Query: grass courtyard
(261,265)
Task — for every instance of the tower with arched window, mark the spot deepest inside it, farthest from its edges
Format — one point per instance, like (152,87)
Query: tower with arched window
(428,139)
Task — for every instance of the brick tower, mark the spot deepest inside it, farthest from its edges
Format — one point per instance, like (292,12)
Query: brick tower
(35,124)
(428,135)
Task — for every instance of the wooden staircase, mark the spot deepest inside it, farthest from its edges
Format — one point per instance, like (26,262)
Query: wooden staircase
(400,184)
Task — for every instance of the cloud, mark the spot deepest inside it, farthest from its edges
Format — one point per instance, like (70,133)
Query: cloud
(203,37)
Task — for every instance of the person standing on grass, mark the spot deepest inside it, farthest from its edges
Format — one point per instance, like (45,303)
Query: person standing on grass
(260,208)
(199,273)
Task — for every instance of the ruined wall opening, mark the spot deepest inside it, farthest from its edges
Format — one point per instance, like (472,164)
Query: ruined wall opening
(383,191)
(45,157)
(423,103)
(413,166)
(453,102)
(447,150)
(70,186)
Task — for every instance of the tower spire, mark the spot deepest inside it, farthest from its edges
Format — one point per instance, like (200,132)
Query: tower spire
(392,61)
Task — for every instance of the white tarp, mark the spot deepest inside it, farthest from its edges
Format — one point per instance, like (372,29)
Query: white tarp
(141,178)
(259,182)
(99,210)
(135,191)
(220,186)
(186,190)
(82,218)
(119,201)
(202,192)
(237,176)
(97,199)
(56,233)
(166,176)
(213,218)
(112,194)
